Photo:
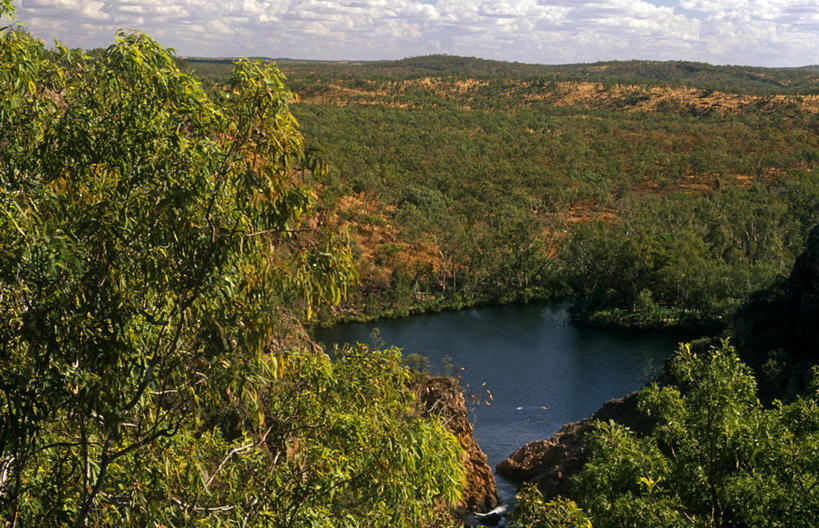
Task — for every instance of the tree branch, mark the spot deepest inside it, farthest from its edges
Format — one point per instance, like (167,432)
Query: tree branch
(237,451)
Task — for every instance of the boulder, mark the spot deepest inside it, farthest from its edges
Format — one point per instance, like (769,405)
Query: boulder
(550,463)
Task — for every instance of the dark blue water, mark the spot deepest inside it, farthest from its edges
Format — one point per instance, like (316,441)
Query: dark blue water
(542,372)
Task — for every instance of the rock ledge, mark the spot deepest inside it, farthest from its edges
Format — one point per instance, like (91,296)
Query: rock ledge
(550,462)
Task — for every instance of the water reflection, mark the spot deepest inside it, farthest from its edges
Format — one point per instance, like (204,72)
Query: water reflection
(541,371)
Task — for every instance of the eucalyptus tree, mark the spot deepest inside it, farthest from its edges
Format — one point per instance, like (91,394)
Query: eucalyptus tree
(715,457)
(150,235)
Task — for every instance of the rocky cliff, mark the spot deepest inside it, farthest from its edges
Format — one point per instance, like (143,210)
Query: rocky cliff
(785,316)
(777,330)
(803,298)
(444,397)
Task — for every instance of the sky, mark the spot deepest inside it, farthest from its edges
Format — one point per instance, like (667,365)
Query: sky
(746,32)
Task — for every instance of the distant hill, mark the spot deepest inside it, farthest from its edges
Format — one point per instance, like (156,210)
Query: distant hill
(749,80)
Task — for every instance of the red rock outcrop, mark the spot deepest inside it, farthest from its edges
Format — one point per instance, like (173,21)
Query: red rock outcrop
(444,397)
(551,462)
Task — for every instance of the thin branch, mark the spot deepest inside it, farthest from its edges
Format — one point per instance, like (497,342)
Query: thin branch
(276,231)
(147,440)
(193,507)
(237,451)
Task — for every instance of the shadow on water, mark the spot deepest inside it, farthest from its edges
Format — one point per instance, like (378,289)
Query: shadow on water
(542,371)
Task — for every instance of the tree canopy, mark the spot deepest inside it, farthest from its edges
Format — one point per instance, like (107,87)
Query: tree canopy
(715,458)
(153,239)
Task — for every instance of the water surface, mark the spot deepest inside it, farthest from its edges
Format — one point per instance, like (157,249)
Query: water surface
(542,372)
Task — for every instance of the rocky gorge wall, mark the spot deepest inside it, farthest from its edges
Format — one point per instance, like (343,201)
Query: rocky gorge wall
(444,397)
(786,319)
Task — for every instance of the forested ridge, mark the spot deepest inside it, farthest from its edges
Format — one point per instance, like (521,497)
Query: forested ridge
(639,189)
(739,79)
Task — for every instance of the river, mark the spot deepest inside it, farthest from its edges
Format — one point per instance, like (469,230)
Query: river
(542,372)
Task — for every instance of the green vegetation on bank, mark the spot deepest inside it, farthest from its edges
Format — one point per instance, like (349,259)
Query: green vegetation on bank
(715,458)
(157,245)
(652,204)
(689,259)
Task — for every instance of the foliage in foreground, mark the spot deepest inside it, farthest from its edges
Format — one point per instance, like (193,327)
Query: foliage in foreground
(301,441)
(533,511)
(716,457)
(150,236)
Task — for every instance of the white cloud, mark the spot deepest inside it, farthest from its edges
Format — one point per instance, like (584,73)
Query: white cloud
(765,32)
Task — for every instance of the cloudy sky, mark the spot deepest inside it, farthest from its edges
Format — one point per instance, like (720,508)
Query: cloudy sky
(752,32)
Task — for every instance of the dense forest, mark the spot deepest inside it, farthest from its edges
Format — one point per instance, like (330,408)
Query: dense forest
(653,201)
(170,227)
